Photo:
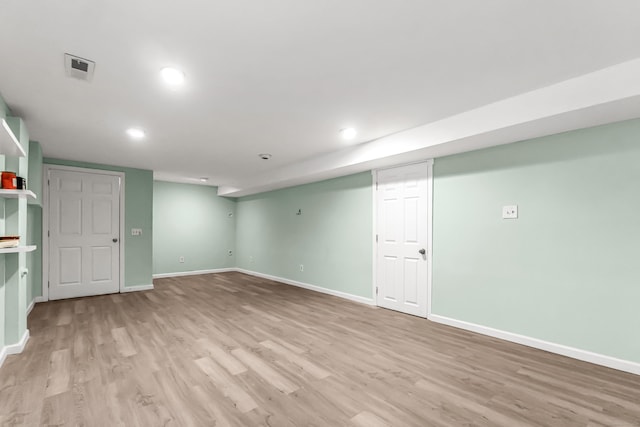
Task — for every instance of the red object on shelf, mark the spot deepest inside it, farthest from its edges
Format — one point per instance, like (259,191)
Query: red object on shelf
(9,180)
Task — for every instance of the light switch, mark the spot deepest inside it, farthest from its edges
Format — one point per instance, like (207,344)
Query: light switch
(510,212)
(136,231)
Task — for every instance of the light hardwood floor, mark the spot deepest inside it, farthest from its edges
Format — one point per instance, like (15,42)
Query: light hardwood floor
(234,350)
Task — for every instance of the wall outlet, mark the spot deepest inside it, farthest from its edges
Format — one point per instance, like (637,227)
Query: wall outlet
(510,212)
(136,231)
(181,259)
(301,267)
(230,252)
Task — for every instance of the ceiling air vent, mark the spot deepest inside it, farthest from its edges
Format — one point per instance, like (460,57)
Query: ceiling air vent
(79,68)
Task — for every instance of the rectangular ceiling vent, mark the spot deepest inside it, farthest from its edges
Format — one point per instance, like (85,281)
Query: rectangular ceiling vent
(79,68)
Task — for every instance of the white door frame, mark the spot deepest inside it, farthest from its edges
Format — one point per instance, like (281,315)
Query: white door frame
(374,189)
(45,220)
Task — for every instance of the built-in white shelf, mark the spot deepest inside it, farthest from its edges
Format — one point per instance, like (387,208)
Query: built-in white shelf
(17,193)
(9,144)
(18,249)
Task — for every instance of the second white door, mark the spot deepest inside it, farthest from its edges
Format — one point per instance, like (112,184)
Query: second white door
(402,269)
(84,227)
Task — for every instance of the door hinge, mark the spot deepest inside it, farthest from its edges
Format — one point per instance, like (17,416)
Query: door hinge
(376,290)
(48,182)
(48,284)
(376,185)
(48,233)
(376,238)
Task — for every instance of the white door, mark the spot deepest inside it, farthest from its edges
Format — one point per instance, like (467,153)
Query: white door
(402,270)
(84,228)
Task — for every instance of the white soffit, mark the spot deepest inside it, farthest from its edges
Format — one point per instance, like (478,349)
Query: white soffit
(605,96)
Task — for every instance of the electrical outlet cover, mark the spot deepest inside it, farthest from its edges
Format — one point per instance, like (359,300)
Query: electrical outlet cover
(510,212)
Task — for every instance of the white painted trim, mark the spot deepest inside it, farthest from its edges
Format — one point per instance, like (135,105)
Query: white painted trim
(137,288)
(429,164)
(34,301)
(193,273)
(19,346)
(30,306)
(351,297)
(3,355)
(123,242)
(575,353)
(47,168)
(429,233)
(374,197)
(45,232)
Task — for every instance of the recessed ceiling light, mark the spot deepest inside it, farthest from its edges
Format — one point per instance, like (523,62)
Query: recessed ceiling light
(172,76)
(136,133)
(348,133)
(264,156)
(204,179)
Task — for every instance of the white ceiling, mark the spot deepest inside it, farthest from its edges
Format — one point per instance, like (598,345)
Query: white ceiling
(283,76)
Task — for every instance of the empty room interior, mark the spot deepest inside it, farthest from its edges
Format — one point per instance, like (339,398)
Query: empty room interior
(330,213)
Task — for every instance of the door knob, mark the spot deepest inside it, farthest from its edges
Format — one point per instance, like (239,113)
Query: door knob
(422,251)
(115,240)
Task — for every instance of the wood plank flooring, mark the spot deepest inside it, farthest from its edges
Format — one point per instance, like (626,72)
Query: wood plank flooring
(234,350)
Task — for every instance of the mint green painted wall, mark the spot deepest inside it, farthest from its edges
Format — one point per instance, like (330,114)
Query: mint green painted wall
(191,221)
(34,259)
(332,238)
(34,222)
(138,214)
(34,181)
(567,270)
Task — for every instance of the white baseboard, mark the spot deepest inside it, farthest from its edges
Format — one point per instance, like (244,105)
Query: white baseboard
(575,353)
(136,288)
(34,301)
(14,348)
(19,346)
(193,273)
(30,306)
(351,297)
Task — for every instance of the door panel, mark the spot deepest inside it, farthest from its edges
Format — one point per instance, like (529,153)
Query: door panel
(84,219)
(101,264)
(402,199)
(70,266)
(101,211)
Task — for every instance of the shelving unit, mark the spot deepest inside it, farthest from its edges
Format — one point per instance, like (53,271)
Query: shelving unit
(10,194)
(9,144)
(17,249)
(18,288)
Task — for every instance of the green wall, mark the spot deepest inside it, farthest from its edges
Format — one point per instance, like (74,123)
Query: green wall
(193,222)
(34,259)
(567,270)
(332,237)
(34,222)
(138,214)
(34,181)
